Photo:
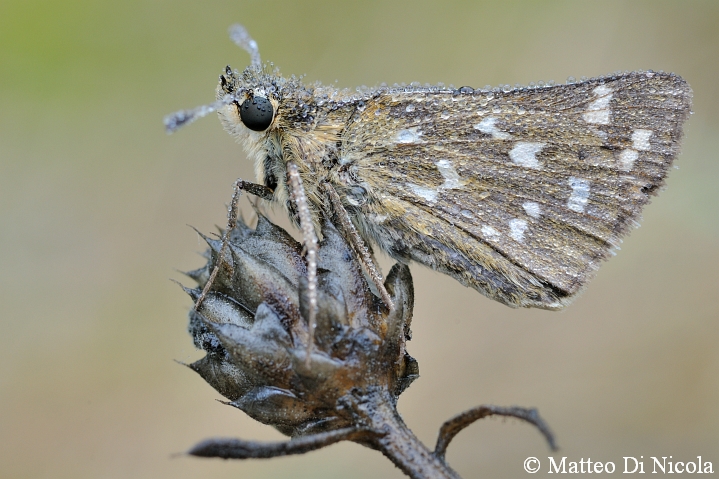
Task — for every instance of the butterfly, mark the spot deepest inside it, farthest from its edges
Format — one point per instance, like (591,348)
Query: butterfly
(519,193)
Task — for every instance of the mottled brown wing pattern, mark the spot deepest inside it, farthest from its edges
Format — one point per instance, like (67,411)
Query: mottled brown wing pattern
(519,194)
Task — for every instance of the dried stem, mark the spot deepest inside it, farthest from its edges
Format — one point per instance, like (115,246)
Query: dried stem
(453,426)
(403,448)
(239,449)
(384,430)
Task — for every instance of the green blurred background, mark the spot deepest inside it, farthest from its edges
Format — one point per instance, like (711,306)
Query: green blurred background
(95,199)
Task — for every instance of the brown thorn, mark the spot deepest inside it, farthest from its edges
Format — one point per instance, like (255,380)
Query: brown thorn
(454,425)
(363,254)
(309,238)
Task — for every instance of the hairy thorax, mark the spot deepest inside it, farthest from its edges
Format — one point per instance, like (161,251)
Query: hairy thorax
(296,139)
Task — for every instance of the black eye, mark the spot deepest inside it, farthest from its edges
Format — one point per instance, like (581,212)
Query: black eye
(256,113)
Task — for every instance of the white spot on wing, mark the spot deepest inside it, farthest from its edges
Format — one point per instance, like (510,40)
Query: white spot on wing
(488,127)
(598,111)
(532,209)
(410,135)
(451,180)
(427,193)
(524,153)
(490,233)
(516,229)
(451,177)
(580,194)
(627,159)
(600,117)
(602,90)
(640,139)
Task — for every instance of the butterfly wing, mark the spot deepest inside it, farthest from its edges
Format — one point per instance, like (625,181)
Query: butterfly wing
(518,194)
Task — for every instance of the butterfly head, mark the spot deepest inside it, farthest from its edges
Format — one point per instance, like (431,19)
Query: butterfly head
(249,100)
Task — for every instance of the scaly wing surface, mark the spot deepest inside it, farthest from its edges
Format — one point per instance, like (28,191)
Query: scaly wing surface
(519,194)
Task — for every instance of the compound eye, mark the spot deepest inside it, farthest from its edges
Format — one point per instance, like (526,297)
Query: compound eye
(256,113)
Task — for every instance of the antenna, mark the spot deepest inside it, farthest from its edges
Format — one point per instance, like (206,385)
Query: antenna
(183,117)
(242,39)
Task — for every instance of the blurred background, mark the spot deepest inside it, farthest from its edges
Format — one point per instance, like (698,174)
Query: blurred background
(95,200)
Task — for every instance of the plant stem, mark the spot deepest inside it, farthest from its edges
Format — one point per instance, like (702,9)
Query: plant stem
(401,446)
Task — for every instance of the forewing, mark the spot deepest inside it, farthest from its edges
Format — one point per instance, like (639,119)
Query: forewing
(536,182)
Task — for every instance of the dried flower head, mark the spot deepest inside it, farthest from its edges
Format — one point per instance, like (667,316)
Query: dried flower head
(252,324)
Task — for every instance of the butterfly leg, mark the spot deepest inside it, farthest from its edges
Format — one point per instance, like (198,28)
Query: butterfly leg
(239,185)
(309,238)
(358,244)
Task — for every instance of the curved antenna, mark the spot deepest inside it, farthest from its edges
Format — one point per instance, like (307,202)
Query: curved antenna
(242,39)
(183,117)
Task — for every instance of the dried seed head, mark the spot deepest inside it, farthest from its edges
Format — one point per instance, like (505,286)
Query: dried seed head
(253,326)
